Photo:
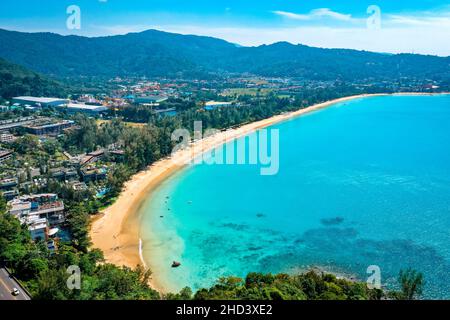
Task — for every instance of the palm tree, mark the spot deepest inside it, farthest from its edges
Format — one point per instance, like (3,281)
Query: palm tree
(412,283)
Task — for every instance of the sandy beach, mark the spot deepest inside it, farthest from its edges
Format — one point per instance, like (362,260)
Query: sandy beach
(116,230)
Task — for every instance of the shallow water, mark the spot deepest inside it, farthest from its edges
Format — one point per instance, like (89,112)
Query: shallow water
(360,183)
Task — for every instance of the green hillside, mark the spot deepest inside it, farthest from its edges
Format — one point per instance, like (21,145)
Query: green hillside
(16,80)
(156,53)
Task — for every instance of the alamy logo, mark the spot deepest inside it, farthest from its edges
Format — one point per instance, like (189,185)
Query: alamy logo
(74,280)
(374,280)
(257,148)
(374,20)
(73,22)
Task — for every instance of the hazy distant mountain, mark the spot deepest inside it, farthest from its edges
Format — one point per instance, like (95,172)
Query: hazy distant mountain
(16,80)
(156,53)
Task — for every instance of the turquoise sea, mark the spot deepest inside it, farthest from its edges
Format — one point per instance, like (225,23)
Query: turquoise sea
(361,183)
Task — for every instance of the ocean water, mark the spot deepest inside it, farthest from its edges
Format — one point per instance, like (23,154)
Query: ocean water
(361,183)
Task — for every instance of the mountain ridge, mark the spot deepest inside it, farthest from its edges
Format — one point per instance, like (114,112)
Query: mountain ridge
(159,53)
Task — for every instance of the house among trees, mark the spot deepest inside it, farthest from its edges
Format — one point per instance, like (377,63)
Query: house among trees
(39,212)
(92,157)
(92,173)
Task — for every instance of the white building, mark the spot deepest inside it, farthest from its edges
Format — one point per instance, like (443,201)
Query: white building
(7,138)
(38,228)
(38,212)
(39,101)
(83,108)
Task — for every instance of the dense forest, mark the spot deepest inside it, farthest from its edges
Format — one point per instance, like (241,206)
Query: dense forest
(16,81)
(155,53)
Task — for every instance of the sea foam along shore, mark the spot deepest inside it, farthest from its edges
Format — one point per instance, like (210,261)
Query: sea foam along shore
(116,230)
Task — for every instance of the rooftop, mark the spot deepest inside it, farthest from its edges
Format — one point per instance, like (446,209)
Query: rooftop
(49,124)
(217,103)
(4,153)
(38,99)
(86,107)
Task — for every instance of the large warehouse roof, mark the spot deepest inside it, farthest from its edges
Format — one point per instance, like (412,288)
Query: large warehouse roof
(38,99)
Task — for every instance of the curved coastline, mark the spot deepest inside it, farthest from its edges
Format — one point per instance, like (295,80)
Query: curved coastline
(116,230)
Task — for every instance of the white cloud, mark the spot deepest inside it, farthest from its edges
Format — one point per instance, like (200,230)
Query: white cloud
(441,20)
(315,14)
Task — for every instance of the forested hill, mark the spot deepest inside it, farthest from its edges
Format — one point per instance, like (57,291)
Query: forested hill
(16,80)
(156,53)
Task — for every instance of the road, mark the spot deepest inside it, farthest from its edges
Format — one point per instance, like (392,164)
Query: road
(7,284)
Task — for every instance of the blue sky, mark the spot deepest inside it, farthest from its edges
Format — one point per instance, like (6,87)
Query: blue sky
(420,26)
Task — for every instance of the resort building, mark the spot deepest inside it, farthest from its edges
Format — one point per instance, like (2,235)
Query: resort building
(47,126)
(38,228)
(5,155)
(10,124)
(63,173)
(93,174)
(29,208)
(92,157)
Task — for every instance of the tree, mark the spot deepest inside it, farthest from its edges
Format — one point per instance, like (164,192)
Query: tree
(78,221)
(412,283)
(2,204)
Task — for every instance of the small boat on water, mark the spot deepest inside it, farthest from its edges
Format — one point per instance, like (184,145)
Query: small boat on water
(176,264)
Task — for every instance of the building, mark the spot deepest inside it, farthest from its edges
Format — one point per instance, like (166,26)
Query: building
(83,108)
(62,173)
(48,126)
(7,138)
(150,99)
(93,174)
(92,157)
(117,155)
(5,155)
(9,183)
(38,228)
(79,186)
(11,124)
(210,105)
(38,102)
(29,208)
(10,194)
